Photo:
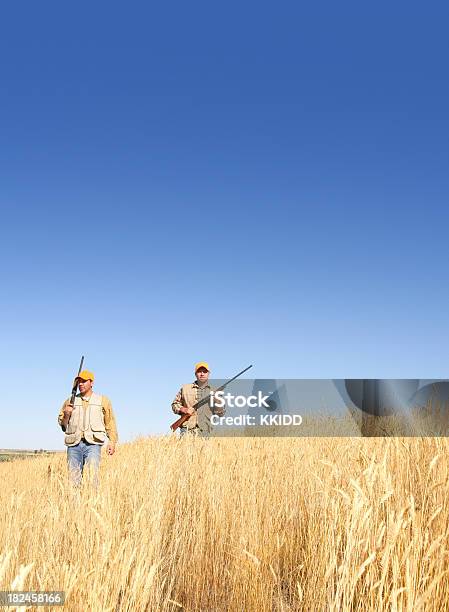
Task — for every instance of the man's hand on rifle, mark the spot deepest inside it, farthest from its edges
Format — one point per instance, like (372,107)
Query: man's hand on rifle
(68,409)
(186,410)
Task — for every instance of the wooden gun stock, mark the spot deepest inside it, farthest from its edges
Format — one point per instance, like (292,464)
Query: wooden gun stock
(174,426)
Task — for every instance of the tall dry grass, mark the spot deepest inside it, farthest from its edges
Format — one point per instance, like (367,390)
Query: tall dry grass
(235,524)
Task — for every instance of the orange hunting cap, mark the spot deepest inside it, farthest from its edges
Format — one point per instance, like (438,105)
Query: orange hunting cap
(201,364)
(86,375)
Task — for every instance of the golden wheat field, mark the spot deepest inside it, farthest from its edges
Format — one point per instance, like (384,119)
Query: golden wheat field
(235,525)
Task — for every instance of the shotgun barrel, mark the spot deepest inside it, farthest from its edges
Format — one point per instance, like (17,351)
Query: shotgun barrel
(75,382)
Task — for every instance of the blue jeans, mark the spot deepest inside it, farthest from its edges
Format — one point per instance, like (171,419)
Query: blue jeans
(183,431)
(81,455)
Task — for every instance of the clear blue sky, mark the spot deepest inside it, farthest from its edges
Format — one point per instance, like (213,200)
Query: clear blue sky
(242,183)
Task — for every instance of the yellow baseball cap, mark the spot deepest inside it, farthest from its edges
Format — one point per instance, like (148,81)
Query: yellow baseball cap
(86,375)
(201,364)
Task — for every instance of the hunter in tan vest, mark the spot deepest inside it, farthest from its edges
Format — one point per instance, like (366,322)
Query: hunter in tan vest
(87,424)
(189,395)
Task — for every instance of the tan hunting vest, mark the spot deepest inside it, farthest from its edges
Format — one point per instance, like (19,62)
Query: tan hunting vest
(201,417)
(88,420)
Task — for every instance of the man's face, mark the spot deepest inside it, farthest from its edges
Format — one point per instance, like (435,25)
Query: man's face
(84,385)
(202,375)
